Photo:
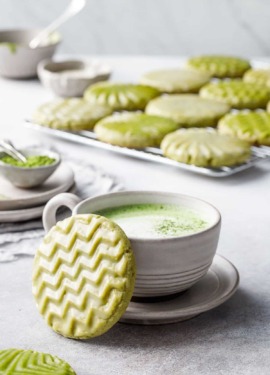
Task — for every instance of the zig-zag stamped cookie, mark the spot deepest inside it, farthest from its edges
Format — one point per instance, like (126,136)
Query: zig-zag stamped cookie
(84,276)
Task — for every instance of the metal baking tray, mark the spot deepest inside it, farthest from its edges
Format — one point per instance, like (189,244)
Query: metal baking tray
(153,153)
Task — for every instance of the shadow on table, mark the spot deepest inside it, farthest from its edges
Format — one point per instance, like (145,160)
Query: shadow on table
(233,318)
(253,174)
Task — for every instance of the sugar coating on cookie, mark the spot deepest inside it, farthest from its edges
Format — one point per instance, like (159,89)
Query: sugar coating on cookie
(220,66)
(83,276)
(134,130)
(188,110)
(260,76)
(29,362)
(176,80)
(70,114)
(253,127)
(205,148)
(237,93)
(120,96)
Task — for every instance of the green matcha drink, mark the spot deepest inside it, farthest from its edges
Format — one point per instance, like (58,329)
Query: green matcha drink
(156,220)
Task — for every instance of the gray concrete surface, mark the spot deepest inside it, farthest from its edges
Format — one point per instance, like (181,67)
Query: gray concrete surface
(233,339)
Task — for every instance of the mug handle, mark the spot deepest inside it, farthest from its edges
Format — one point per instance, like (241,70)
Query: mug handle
(49,213)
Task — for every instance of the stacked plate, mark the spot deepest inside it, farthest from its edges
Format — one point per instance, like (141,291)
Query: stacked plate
(24,204)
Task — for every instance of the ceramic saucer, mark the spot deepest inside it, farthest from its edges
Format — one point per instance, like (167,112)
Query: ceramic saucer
(25,214)
(218,285)
(13,198)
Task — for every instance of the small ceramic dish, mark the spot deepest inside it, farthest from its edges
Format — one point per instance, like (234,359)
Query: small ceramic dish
(165,266)
(71,77)
(30,177)
(17,59)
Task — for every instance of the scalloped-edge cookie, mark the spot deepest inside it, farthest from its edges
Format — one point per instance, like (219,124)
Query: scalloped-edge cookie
(253,127)
(29,362)
(83,276)
(259,76)
(176,80)
(220,66)
(205,148)
(237,93)
(188,110)
(134,130)
(70,114)
(120,96)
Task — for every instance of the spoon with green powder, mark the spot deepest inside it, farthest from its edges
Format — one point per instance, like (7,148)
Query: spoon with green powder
(73,8)
(12,151)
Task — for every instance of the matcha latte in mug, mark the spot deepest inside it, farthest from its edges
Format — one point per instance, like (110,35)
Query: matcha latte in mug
(174,237)
(152,221)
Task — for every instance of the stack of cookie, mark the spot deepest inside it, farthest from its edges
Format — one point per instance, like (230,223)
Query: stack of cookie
(179,106)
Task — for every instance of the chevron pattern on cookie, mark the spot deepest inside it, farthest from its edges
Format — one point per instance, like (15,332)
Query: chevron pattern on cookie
(29,362)
(237,93)
(84,276)
(70,114)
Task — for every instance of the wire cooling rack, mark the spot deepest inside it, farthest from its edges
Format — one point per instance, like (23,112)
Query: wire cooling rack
(153,154)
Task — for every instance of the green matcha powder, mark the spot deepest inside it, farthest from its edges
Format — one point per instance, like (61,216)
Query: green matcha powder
(172,228)
(32,161)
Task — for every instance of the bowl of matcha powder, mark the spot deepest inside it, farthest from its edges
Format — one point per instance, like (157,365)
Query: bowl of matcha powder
(38,167)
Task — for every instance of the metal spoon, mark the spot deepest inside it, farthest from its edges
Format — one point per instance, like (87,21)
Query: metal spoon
(12,151)
(74,7)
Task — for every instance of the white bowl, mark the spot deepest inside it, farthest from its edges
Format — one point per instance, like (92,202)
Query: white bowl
(164,266)
(22,61)
(30,177)
(71,78)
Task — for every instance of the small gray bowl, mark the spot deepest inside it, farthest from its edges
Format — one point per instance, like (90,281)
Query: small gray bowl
(17,59)
(30,177)
(71,78)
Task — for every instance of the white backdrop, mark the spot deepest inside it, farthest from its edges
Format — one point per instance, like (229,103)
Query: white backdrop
(160,27)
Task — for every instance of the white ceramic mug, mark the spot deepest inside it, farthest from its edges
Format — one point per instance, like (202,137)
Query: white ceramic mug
(164,266)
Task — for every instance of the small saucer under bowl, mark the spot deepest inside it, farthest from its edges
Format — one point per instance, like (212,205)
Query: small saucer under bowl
(216,287)
(25,214)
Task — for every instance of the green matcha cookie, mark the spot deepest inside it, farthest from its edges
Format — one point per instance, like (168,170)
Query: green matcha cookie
(237,94)
(120,96)
(253,127)
(205,148)
(84,275)
(176,80)
(28,362)
(134,130)
(188,110)
(260,76)
(70,114)
(220,66)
